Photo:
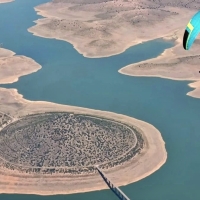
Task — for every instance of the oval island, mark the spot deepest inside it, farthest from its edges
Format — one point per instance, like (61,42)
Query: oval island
(48,148)
(67,143)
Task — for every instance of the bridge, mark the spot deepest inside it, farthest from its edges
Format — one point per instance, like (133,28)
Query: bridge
(115,189)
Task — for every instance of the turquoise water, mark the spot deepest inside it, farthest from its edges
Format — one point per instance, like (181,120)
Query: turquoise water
(69,78)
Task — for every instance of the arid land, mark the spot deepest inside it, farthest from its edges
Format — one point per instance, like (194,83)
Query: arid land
(171,66)
(6,1)
(14,107)
(103,28)
(22,65)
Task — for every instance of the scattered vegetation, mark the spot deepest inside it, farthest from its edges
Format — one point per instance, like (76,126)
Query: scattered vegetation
(66,143)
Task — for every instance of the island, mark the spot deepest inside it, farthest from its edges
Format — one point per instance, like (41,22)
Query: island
(47,148)
(62,142)
(103,28)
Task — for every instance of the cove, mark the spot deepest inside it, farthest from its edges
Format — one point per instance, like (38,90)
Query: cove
(69,78)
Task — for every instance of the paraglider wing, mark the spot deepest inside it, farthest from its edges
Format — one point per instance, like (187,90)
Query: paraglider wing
(191,31)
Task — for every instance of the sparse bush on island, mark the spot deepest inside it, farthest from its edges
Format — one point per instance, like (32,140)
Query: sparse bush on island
(67,143)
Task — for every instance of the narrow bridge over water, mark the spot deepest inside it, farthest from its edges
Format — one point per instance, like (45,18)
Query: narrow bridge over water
(115,189)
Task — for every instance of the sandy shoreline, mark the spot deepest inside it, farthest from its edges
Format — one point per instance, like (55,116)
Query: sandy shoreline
(195,93)
(152,157)
(99,35)
(6,1)
(22,65)
(175,64)
(40,31)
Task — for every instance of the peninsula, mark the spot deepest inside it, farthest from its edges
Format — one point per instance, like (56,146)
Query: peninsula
(171,65)
(104,28)
(22,65)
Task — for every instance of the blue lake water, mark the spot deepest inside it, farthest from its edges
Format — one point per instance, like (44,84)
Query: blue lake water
(69,78)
